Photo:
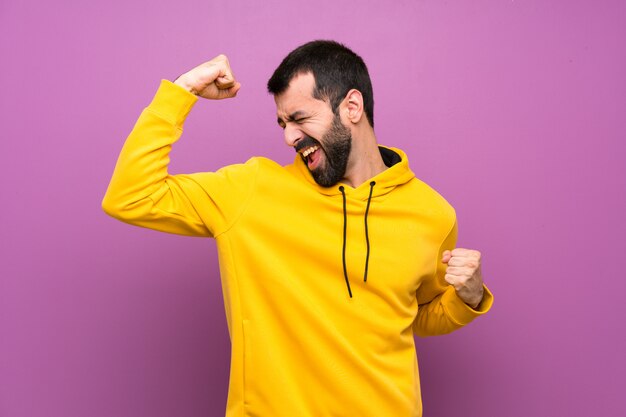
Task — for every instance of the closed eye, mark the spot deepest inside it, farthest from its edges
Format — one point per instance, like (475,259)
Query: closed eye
(299,121)
(297,117)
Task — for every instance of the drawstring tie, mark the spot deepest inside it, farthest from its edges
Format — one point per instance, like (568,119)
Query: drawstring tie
(367,238)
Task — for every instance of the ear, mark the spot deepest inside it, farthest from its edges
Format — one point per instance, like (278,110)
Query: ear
(352,106)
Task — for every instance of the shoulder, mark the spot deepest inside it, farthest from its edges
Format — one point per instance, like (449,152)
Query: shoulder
(426,190)
(252,166)
(260,169)
(426,201)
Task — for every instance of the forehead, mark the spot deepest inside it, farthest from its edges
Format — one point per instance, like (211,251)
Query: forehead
(298,97)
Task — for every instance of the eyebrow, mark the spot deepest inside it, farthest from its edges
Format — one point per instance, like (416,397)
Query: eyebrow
(293,116)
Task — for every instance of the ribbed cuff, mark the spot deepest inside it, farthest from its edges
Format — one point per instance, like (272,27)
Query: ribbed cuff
(172,102)
(460,312)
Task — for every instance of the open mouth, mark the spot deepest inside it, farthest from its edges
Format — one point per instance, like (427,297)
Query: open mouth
(311,156)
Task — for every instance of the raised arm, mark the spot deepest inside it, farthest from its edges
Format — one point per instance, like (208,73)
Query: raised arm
(142,192)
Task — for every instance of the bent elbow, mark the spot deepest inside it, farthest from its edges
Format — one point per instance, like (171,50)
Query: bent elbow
(115,207)
(111,207)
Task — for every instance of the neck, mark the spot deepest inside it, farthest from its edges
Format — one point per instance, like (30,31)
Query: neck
(365,161)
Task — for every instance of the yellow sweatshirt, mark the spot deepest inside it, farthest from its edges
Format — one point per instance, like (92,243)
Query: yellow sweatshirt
(310,336)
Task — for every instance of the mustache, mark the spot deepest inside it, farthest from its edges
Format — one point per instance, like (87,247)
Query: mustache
(306,142)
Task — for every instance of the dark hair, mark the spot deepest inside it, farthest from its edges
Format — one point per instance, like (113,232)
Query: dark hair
(336,70)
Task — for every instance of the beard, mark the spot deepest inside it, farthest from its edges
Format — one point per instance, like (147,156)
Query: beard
(335,145)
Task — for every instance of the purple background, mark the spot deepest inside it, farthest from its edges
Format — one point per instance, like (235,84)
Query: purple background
(513,110)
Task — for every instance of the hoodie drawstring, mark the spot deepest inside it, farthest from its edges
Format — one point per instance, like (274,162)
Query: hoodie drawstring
(345,227)
(367,237)
(343,252)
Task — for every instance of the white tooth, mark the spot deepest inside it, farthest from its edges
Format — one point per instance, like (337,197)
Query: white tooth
(310,150)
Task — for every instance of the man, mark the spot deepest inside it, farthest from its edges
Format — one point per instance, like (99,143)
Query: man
(328,265)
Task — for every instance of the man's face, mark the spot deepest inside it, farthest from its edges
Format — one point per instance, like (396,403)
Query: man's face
(314,131)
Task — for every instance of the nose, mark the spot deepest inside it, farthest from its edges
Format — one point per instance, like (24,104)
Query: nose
(292,134)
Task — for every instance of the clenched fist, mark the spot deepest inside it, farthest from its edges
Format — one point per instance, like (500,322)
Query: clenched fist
(463,273)
(213,80)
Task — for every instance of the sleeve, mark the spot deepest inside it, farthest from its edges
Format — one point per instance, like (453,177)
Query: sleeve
(440,310)
(141,191)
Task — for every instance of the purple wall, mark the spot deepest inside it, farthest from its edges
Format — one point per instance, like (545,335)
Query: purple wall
(514,110)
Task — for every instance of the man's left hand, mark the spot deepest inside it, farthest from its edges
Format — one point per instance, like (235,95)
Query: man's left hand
(463,273)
